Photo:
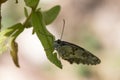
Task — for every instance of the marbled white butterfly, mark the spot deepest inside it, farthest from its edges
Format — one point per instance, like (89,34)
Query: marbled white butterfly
(74,53)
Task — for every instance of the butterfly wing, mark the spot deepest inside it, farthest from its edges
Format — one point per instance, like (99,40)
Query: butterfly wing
(75,54)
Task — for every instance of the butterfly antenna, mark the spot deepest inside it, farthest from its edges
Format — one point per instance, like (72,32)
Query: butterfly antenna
(62,29)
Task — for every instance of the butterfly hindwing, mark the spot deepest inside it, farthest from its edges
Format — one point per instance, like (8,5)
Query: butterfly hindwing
(75,54)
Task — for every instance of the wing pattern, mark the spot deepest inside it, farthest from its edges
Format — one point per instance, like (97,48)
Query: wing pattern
(75,54)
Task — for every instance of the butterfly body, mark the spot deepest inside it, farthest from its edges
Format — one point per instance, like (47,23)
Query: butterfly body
(74,53)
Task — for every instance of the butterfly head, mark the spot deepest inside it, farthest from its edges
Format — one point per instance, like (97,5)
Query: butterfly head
(57,43)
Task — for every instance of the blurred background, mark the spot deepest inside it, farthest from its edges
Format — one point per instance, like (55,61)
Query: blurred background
(91,24)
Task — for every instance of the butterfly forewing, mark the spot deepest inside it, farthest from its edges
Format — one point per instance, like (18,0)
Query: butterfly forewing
(75,54)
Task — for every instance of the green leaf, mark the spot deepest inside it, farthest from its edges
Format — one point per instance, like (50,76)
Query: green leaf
(56,61)
(9,31)
(51,14)
(5,35)
(8,36)
(3,46)
(14,45)
(14,51)
(31,3)
(3,40)
(46,38)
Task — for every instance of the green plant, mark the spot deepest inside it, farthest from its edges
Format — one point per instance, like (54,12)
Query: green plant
(37,19)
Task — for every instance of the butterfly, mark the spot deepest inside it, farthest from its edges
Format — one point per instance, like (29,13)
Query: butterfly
(74,53)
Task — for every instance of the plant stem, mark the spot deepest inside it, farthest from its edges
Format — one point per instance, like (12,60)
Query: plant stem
(0,18)
(27,20)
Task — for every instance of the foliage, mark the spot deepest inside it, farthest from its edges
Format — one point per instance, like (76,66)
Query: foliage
(38,20)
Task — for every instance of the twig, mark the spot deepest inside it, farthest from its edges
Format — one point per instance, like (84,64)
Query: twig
(0,18)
